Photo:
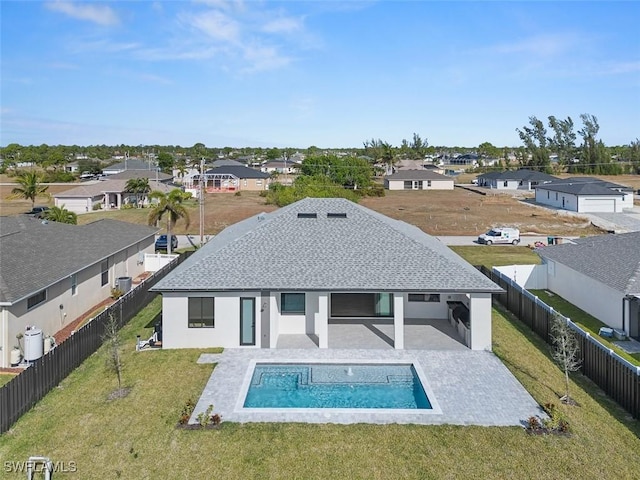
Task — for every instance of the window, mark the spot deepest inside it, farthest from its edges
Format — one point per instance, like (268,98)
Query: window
(506,183)
(424,297)
(104,268)
(428,183)
(201,312)
(74,284)
(292,303)
(408,185)
(548,193)
(36,299)
(258,182)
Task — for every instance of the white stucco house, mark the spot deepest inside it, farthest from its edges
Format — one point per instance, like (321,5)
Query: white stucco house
(522,179)
(599,274)
(52,273)
(106,194)
(418,180)
(585,195)
(343,262)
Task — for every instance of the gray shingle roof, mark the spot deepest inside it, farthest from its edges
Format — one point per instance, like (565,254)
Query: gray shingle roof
(417,175)
(521,174)
(585,186)
(150,174)
(35,255)
(365,251)
(613,260)
(238,171)
(99,187)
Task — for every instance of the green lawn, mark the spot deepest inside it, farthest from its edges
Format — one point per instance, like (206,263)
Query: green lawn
(5,378)
(582,318)
(496,255)
(136,438)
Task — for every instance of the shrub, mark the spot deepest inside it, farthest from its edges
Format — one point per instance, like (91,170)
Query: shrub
(116,293)
(238,193)
(187,410)
(96,206)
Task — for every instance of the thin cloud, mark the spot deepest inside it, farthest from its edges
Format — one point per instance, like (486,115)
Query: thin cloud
(100,14)
(621,68)
(261,58)
(283,25)
(216,25)
(549,45)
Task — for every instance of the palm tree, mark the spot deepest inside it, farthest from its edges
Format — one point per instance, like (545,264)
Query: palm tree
(171,204)
(140,187)
(60,215)
(29,188)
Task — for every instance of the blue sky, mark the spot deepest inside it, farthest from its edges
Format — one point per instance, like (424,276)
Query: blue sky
(324,73)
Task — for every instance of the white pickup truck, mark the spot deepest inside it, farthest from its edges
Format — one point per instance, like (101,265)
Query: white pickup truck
(500,235)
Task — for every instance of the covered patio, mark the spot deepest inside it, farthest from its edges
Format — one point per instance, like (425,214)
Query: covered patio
(419,334)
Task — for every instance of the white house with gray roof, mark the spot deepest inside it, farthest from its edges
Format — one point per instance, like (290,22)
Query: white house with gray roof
(342,262)
(600,275)
(52,273)
(585,195)
(418,180)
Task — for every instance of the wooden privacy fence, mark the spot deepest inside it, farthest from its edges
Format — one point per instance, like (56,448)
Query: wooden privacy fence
(33,383)
(619,378)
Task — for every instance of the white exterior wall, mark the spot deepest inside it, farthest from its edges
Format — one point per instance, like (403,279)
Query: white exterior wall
(226,330)
(480,320)
(426,309)
(593,297)
(527,276)
(435,184)
(49,317)
(554,199)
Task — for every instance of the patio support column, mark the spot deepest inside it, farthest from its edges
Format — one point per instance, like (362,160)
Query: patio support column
(119,205)
(480,321)
(322,320)
(398,321)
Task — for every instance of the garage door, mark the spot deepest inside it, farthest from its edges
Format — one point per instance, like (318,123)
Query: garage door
(76,205)
(598,204)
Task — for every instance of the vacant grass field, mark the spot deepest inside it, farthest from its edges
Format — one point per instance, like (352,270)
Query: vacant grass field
(135,437)
(457,212)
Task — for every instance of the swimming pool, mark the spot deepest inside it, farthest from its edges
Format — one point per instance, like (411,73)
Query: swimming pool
(336,386)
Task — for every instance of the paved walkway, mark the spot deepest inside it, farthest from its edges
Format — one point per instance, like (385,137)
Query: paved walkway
(467,387)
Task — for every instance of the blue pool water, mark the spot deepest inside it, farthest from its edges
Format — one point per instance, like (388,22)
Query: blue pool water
(336,386)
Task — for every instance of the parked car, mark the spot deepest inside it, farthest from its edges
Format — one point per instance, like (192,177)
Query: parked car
(161,242)
(37,212)
(500,235)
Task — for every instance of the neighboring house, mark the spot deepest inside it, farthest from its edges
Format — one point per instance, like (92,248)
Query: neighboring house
(52,273)
(232,178)
(227,163)
(280,166)
(600,275)
(522,179)
(129,164)
(102,194)
(418,180)
(341,262)
(585,195)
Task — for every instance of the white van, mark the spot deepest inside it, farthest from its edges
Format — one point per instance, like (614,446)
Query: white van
(500,235)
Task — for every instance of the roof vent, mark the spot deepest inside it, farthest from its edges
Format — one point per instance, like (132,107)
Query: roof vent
(336,215)
(307,215)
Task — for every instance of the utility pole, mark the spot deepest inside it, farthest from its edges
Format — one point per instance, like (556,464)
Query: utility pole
(201,200)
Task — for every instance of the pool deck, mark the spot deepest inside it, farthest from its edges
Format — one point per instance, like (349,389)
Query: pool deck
(469,387)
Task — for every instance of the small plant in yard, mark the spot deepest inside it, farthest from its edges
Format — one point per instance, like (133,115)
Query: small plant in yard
(556,424)
(116,293)
(204,418)
(113,343)
(565,351)
(187,410)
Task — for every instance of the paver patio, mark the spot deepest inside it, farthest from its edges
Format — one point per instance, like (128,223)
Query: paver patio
(470,387)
